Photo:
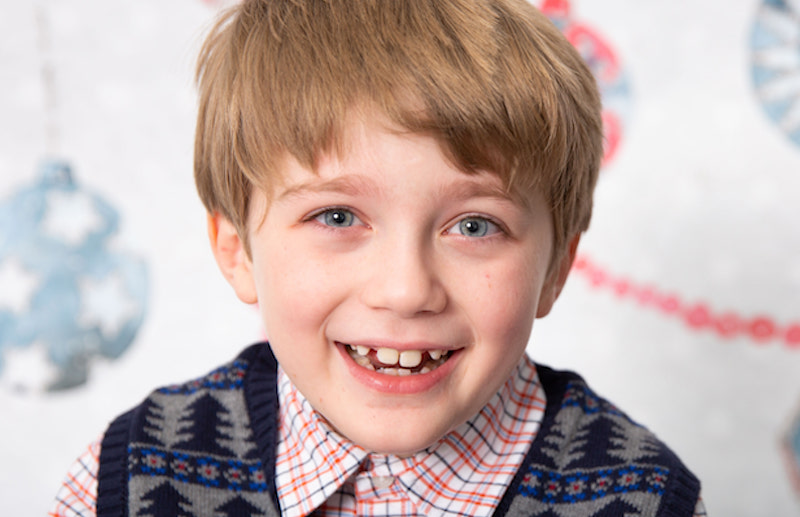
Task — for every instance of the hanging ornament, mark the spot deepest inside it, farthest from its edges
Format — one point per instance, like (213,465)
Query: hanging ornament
(605,66)
(66,295)
(775,68)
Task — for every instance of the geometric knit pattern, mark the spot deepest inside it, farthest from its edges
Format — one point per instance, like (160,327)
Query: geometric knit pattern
(592,460)
(207,448)
(191,451)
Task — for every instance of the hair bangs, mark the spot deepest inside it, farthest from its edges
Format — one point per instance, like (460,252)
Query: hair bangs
(492,80)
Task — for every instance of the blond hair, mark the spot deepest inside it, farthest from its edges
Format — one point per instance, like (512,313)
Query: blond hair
(493,80)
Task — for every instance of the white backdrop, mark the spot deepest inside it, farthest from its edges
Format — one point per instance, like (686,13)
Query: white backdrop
(678,311)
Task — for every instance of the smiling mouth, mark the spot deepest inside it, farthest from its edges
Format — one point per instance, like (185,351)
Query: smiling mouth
(389,361)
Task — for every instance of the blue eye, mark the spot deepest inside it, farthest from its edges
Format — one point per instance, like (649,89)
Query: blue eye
(474,226)
(337,218)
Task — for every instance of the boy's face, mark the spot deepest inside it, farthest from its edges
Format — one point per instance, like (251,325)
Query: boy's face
(398,293)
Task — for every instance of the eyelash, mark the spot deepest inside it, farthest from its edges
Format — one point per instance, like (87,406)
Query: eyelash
(499,228)
(317,214)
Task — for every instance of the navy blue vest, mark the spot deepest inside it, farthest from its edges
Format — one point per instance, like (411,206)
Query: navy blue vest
(207,447)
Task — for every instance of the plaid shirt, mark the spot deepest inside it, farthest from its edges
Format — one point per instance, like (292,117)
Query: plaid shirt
(77,496)
(465,474)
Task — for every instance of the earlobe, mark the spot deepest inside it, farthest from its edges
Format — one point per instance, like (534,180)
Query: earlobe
(557,278)
(231,256)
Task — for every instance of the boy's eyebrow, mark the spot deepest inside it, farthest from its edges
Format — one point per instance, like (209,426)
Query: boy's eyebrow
(352,185)
(362,185)
(470,189)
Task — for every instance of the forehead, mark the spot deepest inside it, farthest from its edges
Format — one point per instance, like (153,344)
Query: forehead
(368,144)
(373,156)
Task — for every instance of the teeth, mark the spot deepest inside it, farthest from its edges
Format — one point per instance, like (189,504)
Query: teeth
(388,355)
(396,362)
(410,358)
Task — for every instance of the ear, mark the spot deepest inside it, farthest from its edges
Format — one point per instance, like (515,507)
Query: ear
(231,256)
(557,278)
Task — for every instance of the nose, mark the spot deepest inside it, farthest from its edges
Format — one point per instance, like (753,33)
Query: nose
(404,278)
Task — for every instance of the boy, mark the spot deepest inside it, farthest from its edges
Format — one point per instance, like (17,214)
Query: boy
(401,187)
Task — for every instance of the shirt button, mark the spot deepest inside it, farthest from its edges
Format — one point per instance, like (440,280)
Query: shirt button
(381,482)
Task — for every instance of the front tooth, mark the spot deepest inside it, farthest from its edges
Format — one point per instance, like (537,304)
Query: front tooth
(410,358)
(435,354)
(362,350)
(388,355)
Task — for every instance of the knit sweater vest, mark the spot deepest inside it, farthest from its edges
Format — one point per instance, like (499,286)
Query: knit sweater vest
(207,448)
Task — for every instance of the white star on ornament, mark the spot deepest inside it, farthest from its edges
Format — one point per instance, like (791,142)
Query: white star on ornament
(16,286)
(27,370)
(106,304)
(70,216)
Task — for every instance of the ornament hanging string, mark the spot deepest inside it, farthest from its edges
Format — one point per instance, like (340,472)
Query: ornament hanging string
(47,73)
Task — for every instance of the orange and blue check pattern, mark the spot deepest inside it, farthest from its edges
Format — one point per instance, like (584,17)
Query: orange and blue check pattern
(78,493)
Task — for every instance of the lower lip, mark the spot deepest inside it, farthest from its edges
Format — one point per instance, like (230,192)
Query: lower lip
(396,384)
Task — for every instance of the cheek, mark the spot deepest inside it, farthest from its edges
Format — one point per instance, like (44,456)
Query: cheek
(294,293)
(506,303)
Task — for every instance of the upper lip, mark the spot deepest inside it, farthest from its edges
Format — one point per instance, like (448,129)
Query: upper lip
(398,345)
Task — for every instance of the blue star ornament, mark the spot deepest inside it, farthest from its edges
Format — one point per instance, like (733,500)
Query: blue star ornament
(63,287)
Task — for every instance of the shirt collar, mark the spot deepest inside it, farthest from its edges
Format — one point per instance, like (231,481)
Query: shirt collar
(465,473)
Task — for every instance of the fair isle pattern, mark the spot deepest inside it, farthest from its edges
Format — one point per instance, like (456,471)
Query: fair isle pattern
(598,486)
(227,377)
(176,468)
(210,471)
(621,473)
(465,474)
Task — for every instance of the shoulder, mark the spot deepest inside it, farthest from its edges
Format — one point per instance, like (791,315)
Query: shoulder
(598,430)
(195,432)
(590,456)
(172,401)
(254,365)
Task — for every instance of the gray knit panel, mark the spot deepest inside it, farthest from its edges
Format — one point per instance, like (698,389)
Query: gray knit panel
(592,461)
(196,454)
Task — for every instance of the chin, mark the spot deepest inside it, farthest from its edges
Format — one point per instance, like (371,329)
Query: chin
(398,440)
(398,448)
